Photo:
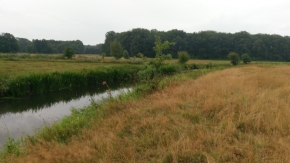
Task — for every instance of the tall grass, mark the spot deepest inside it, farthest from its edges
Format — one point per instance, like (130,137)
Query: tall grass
(38,82)
(17,57)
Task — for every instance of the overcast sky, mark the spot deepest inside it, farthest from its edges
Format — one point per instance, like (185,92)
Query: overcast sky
(90,20)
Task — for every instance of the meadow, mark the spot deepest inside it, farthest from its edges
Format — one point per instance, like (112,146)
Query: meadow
(237,114)
(25,74)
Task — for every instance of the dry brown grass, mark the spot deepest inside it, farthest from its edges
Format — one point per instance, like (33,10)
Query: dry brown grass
(234,115)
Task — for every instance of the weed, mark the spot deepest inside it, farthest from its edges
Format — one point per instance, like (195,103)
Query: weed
(12,147)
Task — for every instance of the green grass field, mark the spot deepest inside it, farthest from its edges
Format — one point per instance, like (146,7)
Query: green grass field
(26,66)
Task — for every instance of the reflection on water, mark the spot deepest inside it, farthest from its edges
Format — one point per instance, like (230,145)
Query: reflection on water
(24,116)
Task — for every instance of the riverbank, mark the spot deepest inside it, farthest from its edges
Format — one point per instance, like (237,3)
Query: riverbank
(21,78)
(14,145)
(233,115)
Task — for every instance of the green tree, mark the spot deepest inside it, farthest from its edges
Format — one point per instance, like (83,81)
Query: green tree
(234,57)
(126,54)
(23,44)
(246,58)
(159,48)
(103,55)
(110,36)
(183,56)
(68,52)
(8,43)
(116,49)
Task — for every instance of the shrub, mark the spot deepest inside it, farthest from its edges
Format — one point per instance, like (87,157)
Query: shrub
(140,55)
(103,55)
(126,54)
(68,52)
(246,58)
(168,57)
(234,57)
(170,69)
(183,56)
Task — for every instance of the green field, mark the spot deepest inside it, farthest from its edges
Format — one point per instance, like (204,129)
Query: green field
(33,74)
(13,68)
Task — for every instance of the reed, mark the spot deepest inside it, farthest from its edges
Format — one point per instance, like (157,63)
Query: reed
(41,82)
(37,83)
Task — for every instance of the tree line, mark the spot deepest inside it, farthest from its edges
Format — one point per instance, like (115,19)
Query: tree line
(204,44)
(10,44)
(200,45)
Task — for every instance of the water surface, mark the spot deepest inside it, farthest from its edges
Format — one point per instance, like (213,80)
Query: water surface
(25,115)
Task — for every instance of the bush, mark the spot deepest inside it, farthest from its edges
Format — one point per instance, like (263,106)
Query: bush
(183,56)
(234,57)
(170,69)
(140,55)
(168,57)
(103,55)
(68,52)
(126,54)
(246,58)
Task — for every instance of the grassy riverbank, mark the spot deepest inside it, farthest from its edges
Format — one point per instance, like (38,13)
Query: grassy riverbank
(234,115)
(24,77)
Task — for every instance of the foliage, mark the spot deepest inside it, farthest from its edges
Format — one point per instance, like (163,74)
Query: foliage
(25,45)
(126,54)
(8,43)
(170,69)
(234,57)
(116,49)
(103,55)
(147,74)
(68,52)
(183,56)
(90,49)
(140,55)
(168,57)
(51,46)
(159,48)
(246,58)
(206,44)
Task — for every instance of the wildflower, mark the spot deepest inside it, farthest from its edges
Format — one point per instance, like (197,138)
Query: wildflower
(104,82)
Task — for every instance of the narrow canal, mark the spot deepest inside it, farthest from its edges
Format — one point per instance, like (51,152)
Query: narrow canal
(23,116)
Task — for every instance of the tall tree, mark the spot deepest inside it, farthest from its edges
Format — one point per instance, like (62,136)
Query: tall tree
(116,49)
(24,45)
(110,37)
(8,43)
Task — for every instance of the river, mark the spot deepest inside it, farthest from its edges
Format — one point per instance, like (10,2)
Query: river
(23,116)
